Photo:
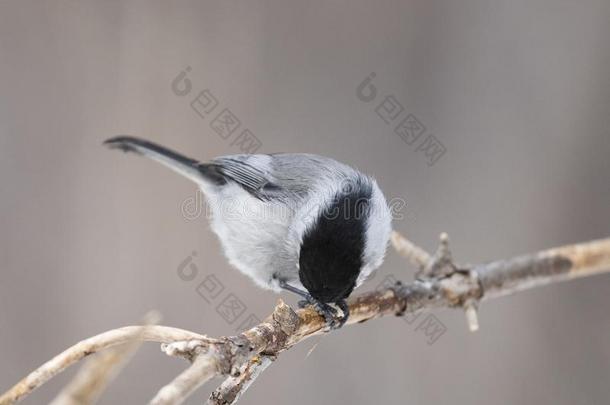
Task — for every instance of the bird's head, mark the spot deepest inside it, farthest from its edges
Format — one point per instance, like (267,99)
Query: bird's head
(345,240)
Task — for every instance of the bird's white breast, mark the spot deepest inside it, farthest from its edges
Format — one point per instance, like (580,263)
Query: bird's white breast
(253,233)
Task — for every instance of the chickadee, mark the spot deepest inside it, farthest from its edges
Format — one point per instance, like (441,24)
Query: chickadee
(290,221)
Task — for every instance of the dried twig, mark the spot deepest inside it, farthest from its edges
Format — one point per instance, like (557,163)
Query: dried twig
(59,363)
(204,367)
(96,373)
(441,283)
(233,387)
(416,255)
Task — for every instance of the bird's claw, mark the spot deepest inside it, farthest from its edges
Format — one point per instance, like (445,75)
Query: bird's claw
(328,312)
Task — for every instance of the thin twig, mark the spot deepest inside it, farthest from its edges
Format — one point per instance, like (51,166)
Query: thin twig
(203,368)
(233,388)
(160,334)
(416,255)
(96,373)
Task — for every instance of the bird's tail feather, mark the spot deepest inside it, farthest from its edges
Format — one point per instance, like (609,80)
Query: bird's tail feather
(190,168)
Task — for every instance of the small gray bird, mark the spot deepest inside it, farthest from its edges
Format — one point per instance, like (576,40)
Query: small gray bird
(290,221)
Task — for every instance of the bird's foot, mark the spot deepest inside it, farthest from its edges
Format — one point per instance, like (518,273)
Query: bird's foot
(328,312)
(345,309)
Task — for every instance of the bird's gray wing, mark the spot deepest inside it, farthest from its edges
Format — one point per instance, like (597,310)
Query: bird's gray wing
(251,172)
(277,176)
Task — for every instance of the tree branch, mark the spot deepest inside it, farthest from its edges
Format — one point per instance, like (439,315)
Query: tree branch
(96,373)
(233,388)
(204,367)
(160,334)
(440,283)
(407,249)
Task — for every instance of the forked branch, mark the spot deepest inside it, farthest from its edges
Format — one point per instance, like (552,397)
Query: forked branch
(440,284)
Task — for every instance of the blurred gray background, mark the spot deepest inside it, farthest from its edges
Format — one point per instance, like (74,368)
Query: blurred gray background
(517,92)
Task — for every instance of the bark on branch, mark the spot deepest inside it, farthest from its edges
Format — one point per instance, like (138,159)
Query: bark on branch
(241,358)
(160,334)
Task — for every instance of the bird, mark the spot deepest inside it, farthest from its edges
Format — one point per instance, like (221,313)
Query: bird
(294,222)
